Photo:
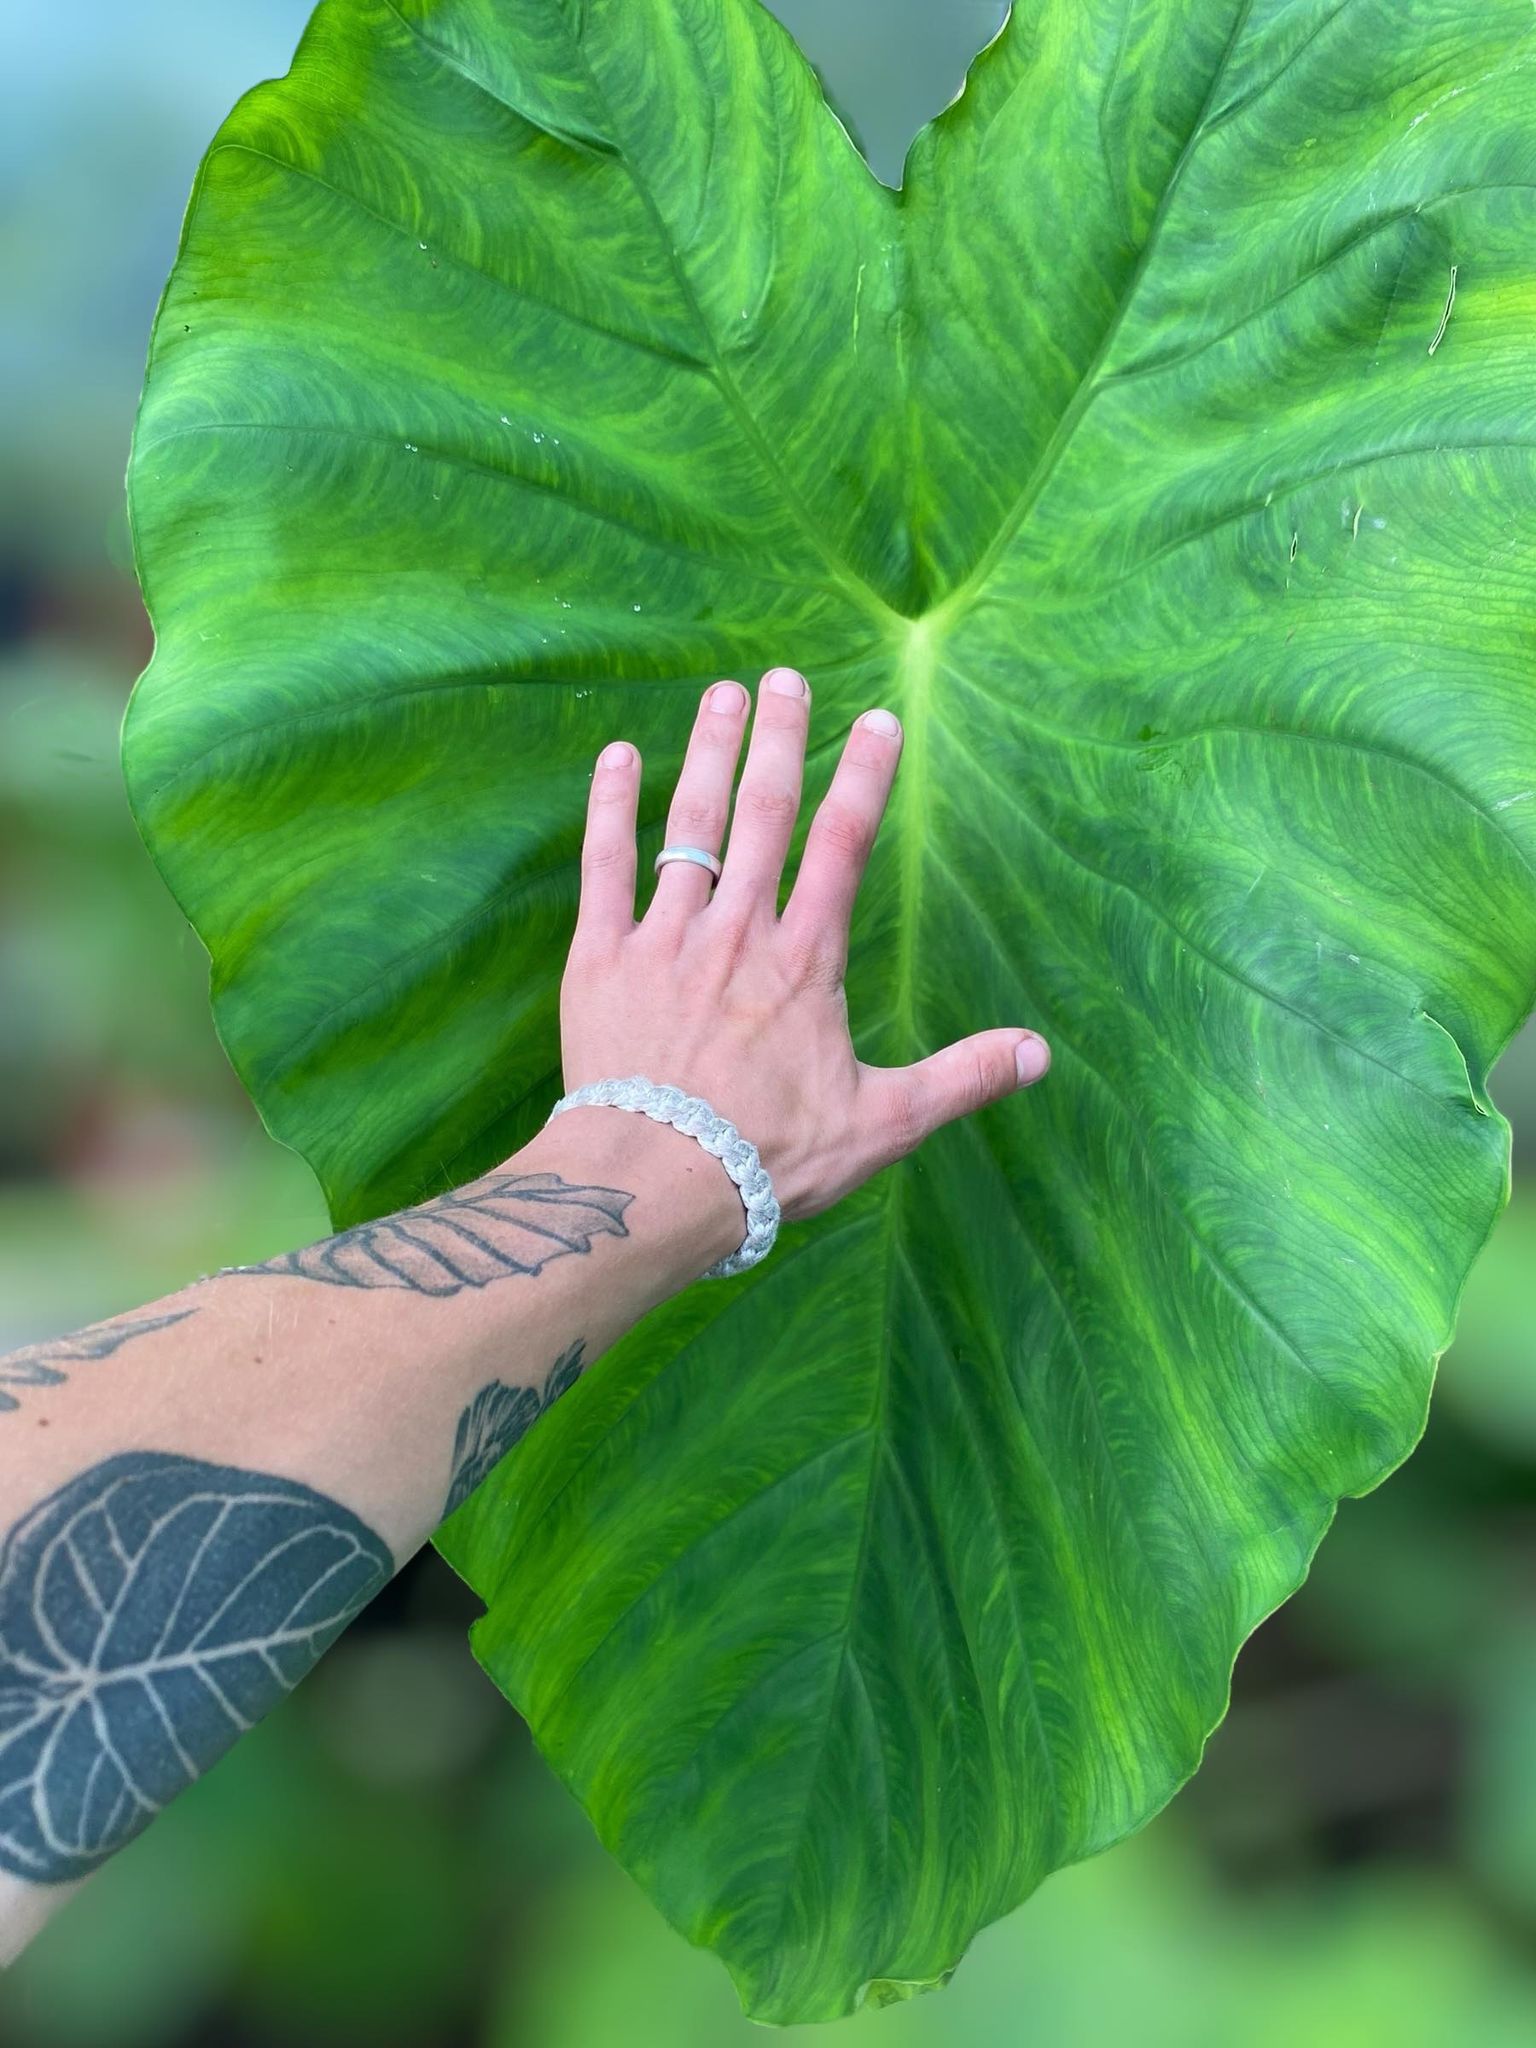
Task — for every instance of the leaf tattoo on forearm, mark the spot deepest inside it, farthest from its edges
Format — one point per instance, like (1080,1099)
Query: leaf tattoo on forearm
(42,1365)
(500,1416)
(507,1223)
(151,1610)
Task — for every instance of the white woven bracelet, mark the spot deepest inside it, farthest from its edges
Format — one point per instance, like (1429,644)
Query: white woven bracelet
(720,1139)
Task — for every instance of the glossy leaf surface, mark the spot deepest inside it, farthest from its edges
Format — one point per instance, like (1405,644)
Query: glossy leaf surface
(1163,453)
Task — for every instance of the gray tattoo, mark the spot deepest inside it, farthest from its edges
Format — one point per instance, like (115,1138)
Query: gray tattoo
(151,1610)
(41,1365)
(498,1417)
(507,1223)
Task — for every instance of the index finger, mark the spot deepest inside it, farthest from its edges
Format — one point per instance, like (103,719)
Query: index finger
(841,837)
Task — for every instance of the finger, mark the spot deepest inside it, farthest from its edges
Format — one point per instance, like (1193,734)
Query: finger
(769,797)
(608,850)
(841,836)
(701,803)
(912,1102)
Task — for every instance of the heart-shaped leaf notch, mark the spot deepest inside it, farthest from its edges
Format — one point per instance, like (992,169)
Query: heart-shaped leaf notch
(1162,452)
(889,66)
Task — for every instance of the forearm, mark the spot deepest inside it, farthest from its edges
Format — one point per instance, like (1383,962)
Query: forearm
(200,1496)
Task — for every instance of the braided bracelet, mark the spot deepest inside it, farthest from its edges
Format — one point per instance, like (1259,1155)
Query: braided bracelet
(720,1138)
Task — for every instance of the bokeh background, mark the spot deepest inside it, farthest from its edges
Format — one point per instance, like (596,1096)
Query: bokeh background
(386,1861)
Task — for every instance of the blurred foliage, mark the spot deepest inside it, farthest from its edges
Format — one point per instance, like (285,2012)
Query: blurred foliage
(386,1861)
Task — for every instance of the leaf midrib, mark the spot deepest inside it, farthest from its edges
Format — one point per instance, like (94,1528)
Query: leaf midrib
(916,662)
(864,596)
(1088,385)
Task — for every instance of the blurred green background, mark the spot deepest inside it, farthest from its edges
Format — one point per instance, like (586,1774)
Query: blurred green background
(386,1861)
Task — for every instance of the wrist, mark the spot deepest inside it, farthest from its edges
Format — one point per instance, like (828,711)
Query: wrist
(686,1213)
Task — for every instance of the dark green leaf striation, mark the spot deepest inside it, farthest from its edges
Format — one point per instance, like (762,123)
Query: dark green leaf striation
(1163,452)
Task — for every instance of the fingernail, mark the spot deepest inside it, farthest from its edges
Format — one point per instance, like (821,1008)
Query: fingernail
(727,697)
(886,723)
(1031,1059)
(617,754)
(785,682)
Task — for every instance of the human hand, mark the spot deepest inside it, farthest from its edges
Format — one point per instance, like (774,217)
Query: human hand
(719,995)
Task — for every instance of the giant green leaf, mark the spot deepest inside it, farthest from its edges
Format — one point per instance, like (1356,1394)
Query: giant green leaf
(1163,452)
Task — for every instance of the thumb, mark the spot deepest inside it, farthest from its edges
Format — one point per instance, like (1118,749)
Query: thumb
(956,1081)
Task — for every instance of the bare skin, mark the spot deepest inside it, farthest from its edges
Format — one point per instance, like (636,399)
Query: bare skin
(197,1496)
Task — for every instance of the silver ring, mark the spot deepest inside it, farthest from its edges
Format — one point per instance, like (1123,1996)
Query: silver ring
(693,854)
